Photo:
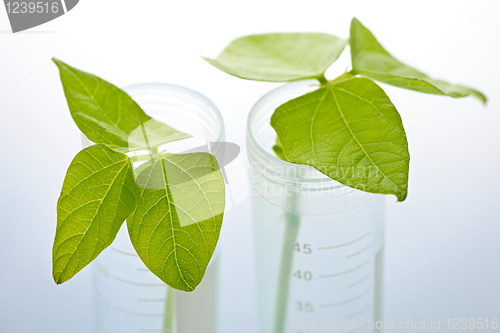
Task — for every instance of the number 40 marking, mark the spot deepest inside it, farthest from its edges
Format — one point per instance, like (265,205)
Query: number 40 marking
(306,275)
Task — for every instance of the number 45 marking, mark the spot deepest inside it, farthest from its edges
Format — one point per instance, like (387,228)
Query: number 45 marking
(305,248)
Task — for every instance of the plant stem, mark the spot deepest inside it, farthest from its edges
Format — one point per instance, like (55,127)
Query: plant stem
(140,158)
(154,150)
(322,79)
(169,313)
(292,224)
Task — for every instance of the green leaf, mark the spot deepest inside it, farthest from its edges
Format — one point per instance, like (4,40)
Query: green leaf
(280,57)
(370,59)
(278,150)
(106,114)
(98,193)
(349,131)
(177,222)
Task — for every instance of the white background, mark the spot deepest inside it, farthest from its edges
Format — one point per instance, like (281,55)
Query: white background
(442,243)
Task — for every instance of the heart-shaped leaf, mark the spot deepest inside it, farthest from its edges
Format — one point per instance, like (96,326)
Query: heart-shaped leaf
(349,131)
(370,59)
(177,222)
(98,193)
(108,115)
(280,57)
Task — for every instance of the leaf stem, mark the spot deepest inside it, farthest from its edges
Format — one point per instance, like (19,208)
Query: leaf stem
(322,79)
(154,150)
(140,158)
(345,76)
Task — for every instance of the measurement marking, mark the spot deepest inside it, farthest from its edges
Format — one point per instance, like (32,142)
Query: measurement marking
(358,282)
(346,272)
(139,314)
(123,252)
(359,252)
(357,313)
(347,301)
(140,284)
(345,244)
(152,299)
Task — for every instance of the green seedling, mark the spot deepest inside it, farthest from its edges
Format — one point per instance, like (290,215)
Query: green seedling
(348,129)
(173,203)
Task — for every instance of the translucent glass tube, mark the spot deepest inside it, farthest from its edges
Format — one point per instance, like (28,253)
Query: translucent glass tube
(129,298)
(318,243)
